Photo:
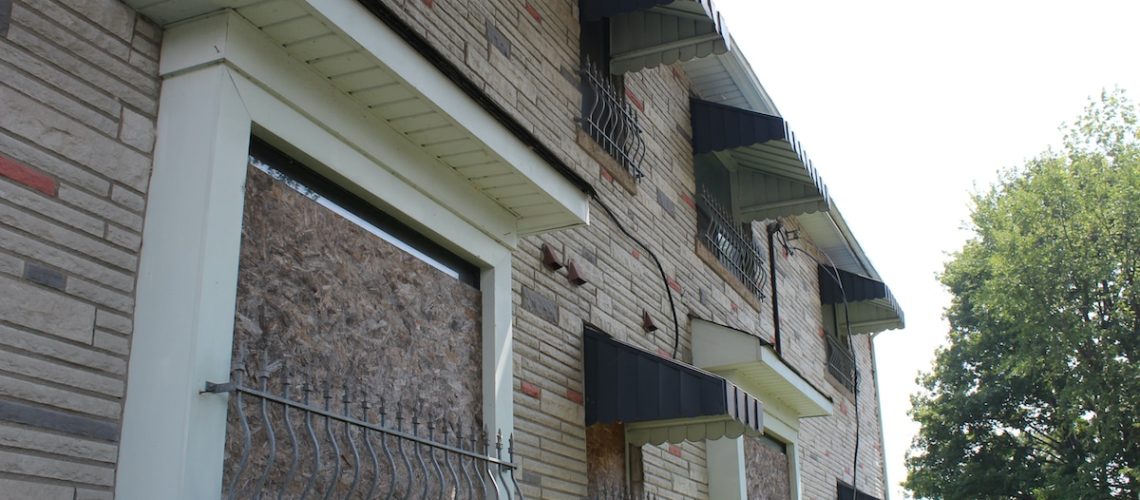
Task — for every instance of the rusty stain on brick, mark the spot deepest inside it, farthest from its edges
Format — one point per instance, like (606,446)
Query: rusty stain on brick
(533,12)
(688,200)
(497,39)
(540,305)
(531,390)
(45,276)
(28,176)
(605,174)
(634,99)
(575,396)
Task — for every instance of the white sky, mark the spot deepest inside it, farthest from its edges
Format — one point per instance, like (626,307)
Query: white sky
(905,106)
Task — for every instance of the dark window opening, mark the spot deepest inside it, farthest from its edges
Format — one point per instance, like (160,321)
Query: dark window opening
(840,356)
(845,491)
(350,206)
(607,116)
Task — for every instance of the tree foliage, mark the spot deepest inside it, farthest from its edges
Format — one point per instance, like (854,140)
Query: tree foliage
(1037,393)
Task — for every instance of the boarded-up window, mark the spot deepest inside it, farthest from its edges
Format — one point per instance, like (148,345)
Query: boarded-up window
(766,462)
(323,295)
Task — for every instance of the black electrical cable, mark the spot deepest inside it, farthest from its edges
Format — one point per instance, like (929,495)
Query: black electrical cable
(833,273)
(660,269)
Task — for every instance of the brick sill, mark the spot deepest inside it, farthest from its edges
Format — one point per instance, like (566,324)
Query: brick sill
(612,167)
(710,260)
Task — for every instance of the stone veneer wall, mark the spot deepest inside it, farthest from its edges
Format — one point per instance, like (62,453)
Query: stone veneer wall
(78,100)
(524,54)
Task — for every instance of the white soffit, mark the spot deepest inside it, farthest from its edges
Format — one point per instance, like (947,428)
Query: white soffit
(389,80)
(752,364)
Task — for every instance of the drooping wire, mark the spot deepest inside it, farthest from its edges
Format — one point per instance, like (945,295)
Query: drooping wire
(833,273)
(660,269)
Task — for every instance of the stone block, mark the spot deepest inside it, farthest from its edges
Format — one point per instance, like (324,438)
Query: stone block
(136,130)
(48,312)
(540,305)
(50,468)
(12,489)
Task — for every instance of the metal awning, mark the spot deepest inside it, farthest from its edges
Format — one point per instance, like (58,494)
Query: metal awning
(870,305)
(648,33)
(775,177)
(751,362)
(661,400)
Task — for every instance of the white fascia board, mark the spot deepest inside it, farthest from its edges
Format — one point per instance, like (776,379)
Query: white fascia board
(352,19)
(725,350)
(227,37)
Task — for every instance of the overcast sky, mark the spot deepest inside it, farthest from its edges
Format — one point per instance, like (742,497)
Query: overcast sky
(906,106)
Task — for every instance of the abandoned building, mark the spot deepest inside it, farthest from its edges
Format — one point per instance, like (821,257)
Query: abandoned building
(419,248)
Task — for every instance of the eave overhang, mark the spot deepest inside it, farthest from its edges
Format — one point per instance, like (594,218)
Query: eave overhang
(661,400)
(864,304)
(398,83)
(751,363)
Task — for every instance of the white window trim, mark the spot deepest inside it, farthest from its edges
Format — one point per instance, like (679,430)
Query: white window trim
(173,436)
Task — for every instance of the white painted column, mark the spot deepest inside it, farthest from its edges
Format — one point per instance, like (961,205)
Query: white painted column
(498,348)
(726,469)
(173,437)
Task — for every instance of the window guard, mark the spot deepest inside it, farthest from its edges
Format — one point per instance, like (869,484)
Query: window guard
(720,234)
(841,361)
(610,120)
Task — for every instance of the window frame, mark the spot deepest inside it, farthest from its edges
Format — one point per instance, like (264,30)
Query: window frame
(223,84)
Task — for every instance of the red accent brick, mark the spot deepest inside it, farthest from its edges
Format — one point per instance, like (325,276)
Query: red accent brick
(531,390)
(674,285)
(636,254)
(533,12)
(634,99)
(28,176)
(575,396)
(675,450)
(663,353)
(843,407)
(605,174)
(734,306)
(677,73)
(428,3)
(688,200)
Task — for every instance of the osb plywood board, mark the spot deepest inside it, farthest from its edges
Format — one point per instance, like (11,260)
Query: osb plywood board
(766,470)
(323,298)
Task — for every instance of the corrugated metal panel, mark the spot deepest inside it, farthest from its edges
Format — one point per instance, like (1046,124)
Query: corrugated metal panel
(870,305)
(626,384)
(681,31)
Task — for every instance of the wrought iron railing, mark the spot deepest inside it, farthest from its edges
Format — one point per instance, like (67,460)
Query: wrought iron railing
(288,446)
(610,120)
(738,253)
(840,361)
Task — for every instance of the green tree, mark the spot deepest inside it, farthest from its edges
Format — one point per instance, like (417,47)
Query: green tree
(1037,393)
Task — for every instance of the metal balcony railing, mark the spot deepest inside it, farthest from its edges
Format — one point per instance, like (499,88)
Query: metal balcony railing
(610,119)
(841,361)
(738,253)
(288,446)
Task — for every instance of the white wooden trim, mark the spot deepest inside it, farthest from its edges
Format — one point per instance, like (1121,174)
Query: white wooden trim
(728,479)
(172,437)
(351,18)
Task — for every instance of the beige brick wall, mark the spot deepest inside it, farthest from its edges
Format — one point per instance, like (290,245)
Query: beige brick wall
(537,83)
(78,97)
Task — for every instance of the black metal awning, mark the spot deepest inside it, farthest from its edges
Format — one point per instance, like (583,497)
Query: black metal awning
(661,400)
(870,305)
(648,33)
(775,175)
